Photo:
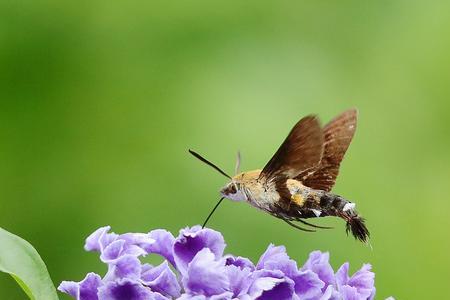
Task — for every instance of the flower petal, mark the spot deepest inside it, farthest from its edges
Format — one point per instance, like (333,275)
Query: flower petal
(163,244)
(191,241)
(205,275)
(282,291)
(276,258)
(162,280)
(119,248)
(127,266)
(83,290)
(239,261)
(99,239)
(363,280)
(239,280)
(112,251)
(271,285)
(272,253)
(127,289)
(191,297)
(350,293)
(141,240)
(342,275)
(223,296)
(330,293)
(318,263)
(307,284)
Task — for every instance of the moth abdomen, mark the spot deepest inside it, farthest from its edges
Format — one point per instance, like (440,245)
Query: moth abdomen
(335,205)
(323,204)
(357,226)
(329,201)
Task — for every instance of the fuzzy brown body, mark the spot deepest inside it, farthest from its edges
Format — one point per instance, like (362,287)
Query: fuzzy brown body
(287,199)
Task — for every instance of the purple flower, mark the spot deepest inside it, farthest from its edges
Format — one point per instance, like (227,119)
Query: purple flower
(126,266)
(196,268)
(240,262)
(127,289)
(163,244)
(193,240)
(306,283)
(318,263)
(161,279)
(206,275)
(86,289)
(359,286)
(99,239)
(267,284)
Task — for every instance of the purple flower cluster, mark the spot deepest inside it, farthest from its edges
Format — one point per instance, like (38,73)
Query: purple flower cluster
(195,268)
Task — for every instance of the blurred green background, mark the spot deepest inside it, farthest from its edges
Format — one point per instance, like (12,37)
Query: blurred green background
(100,100)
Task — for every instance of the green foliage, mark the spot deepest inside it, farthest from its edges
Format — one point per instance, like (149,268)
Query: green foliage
(100,100)
(19,259)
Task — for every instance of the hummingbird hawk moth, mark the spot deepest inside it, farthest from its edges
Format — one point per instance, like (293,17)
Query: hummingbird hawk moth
(296,183)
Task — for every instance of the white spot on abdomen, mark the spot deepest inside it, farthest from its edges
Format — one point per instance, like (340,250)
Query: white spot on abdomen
(316,212)
(349,206)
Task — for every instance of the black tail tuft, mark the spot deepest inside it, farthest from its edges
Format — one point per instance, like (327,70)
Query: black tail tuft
(356,225)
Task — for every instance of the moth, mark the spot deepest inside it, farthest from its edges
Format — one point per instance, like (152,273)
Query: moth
(296,183)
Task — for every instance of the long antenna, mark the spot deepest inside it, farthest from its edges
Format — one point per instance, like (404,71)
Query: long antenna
(211,213)
(198,156)
(237,168)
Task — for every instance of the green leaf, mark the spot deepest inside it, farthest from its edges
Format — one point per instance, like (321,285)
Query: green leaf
(23,263)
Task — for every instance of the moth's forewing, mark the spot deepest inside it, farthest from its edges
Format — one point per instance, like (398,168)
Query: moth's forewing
(338,134)
(301,150)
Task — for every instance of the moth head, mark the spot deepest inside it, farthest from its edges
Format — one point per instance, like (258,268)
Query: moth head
(234,191)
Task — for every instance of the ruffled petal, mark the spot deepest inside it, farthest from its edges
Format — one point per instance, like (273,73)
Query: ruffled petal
(330,293)
(83,290)
(239,280)
(276,258)
(239,261)
(163,245)
(205,275)
(271,285)
(342,275)
(191,241)
(99,239)
(120,248)
(307,284)
(113,251)
(363,280)
(223,296)
(127,266)
(141,240)
(191,297)
(162,280)
(127,289)
(318,263)
(350,293)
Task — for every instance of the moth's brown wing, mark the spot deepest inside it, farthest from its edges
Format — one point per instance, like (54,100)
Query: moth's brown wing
(338,134)
(301,150)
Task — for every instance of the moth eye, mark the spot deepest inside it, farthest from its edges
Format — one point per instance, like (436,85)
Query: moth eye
(233,189)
